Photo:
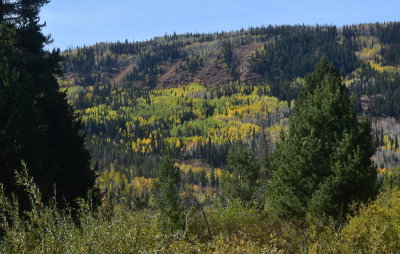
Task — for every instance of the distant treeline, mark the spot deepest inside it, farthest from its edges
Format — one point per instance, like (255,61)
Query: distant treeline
(112,85)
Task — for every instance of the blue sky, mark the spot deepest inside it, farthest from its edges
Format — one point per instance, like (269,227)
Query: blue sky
(79,22)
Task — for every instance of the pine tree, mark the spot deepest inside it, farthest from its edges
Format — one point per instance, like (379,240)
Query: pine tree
(242,177)
(323,163)
(166,193)
(37,124)
(20,11)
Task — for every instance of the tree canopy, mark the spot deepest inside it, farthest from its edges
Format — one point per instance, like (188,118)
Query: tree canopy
(166,192)
(242,177)
(37,125)
(323,163)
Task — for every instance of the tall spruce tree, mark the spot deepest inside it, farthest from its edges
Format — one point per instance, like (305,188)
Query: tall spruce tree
(323,163)
(241,180)
(166,193)
(37,124)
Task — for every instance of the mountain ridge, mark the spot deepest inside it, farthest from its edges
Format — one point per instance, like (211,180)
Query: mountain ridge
(191,57)
(112,83)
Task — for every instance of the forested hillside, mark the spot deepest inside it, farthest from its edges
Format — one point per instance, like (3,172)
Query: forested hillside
(278,139)
(197,94)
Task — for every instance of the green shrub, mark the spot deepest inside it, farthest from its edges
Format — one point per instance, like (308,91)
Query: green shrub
(235,229)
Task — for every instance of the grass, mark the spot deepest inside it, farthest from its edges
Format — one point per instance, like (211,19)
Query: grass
(235,228)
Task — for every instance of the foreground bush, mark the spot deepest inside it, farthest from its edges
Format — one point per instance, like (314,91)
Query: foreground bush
(117,229)
(235,228)
(47,230)
(374,229)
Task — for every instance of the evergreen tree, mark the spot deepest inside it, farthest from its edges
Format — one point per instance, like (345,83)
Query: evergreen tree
(242,177)
(37,125)
(323,163)
(19,11)
(166,193)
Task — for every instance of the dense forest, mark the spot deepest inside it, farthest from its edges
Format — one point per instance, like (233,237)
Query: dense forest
(275,139)
(175,91)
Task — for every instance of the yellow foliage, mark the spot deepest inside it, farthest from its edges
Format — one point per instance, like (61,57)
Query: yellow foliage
(383,68)
(196,188)
(142,184)
(376,229)
(370,53)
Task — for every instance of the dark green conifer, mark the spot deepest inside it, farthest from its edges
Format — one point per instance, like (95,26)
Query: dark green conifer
(37,124)
(166,193)
(323,163)
(241,180)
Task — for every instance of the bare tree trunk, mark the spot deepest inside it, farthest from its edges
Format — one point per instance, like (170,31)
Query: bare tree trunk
(203,213)
(206,222)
